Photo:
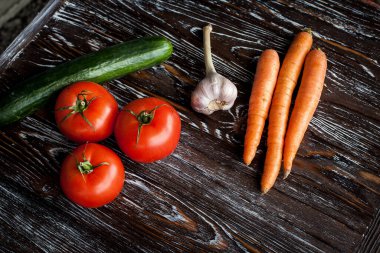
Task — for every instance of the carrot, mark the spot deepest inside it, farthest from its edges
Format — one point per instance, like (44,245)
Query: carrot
(259,102)
(308,96)
(279,111)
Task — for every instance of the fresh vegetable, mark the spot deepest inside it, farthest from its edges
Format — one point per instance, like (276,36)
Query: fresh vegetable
(214,92)
(259,102)
(279,111)
(92,176)
(147,129)
(107,64)
(85,111)
(308,96)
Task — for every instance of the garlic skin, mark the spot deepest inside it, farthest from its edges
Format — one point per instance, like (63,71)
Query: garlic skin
(214,92)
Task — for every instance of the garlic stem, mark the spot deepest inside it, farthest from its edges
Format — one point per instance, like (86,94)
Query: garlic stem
(207,49)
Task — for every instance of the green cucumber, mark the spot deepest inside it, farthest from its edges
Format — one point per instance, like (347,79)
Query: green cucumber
(101,66)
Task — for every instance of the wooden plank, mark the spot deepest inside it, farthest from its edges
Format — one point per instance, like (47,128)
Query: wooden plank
(202,198)
(371,242)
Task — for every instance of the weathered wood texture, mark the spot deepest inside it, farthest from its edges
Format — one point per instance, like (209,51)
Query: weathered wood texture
(202,198)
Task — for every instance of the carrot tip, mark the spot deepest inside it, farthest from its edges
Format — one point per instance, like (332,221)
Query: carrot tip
(264,190)
(286,173)
(247,161)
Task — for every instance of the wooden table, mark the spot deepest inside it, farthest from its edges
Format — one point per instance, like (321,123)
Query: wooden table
(202,198)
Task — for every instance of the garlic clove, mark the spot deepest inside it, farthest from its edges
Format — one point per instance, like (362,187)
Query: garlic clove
(228,94)
(200,99)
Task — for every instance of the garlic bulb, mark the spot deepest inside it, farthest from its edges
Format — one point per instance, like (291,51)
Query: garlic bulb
(214,92)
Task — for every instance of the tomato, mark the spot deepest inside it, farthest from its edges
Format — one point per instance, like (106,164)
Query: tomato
(160,128)
(85,111)
(92,176)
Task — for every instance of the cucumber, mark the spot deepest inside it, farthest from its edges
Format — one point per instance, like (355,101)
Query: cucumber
(101,66)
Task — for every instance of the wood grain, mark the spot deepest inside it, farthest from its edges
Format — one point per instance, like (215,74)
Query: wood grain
(202,198)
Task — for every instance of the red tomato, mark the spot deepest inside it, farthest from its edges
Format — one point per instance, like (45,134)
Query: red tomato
(92,176)
(160,128)
(85,111)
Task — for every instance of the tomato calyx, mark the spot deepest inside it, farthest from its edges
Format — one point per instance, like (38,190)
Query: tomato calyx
(81,105)
(144,118)
(86,167)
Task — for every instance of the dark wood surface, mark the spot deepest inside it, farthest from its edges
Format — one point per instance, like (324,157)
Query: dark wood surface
(202,198)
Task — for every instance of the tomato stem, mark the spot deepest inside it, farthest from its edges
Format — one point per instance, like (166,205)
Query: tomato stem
(145,117)
(86,167)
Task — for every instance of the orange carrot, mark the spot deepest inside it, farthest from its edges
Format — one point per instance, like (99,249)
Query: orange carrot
(279,111)
(308,96)
(259,102)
